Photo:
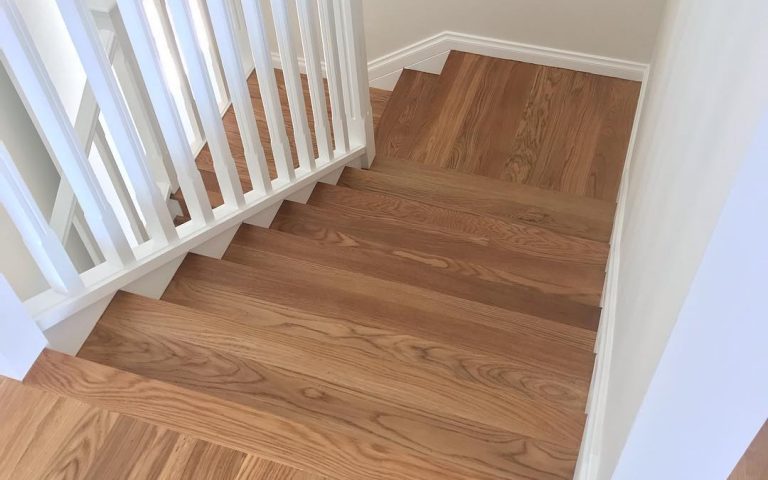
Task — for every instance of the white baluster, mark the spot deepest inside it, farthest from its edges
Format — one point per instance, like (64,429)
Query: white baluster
(224,28)
(140,105)
(331,48)
(44,106)
(361,122)
(43,243)
(85,36)
(205,29)
(262,60)
(21,341)
(309,36)
(293,87)
(176,70)
(148,58)
(202,90)
(342,37)
(118,184)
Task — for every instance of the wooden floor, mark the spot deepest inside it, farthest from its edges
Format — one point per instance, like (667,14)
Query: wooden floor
(48,436)
(431,318)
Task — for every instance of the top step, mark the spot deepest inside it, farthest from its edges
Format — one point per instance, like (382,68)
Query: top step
(548,127)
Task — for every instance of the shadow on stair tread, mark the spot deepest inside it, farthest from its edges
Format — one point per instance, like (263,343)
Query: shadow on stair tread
(426,249)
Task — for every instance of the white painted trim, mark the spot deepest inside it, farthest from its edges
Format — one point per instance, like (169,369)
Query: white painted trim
(429,55)
(50,307)
(589,453)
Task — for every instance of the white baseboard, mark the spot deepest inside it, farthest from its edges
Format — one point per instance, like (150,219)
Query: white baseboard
(587,467)
(429,55)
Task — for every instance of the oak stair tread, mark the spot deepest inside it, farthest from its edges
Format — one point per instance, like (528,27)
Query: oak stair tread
(561,212)
(576,285)
(247,282)
(490,231)
(282,366)
(383,263)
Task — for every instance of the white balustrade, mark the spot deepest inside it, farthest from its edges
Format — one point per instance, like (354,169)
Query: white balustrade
(226,37)
(147,109)
(34,86)
(138,30)
(85,36)
(42,242)
(293,87)
(205,97)
(262,60)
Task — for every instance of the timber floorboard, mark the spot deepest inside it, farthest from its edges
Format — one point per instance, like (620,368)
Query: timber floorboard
(548,127)
(55,436)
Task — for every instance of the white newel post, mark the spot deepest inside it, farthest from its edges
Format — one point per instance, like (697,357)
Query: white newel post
(361,116)
(21,340)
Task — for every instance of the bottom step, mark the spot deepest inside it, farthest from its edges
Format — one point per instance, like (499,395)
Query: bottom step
(252,431)
(58,437)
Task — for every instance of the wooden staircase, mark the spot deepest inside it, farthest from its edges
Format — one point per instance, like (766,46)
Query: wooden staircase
(431,318)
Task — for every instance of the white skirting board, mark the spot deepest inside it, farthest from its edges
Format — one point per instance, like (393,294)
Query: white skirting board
(591,443)
(430,54)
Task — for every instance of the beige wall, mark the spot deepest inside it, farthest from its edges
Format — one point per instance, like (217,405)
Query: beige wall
(623,29)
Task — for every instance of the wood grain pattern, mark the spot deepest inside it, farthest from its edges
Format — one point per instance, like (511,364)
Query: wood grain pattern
(248,430)
(544,126)
(355,297)
(491,232)
(46,436)
(578,216)
(308,400)
(518,301)
(440,249)
(411,102)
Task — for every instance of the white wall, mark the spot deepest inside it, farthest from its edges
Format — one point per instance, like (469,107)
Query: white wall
(703,104)
(623,29)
